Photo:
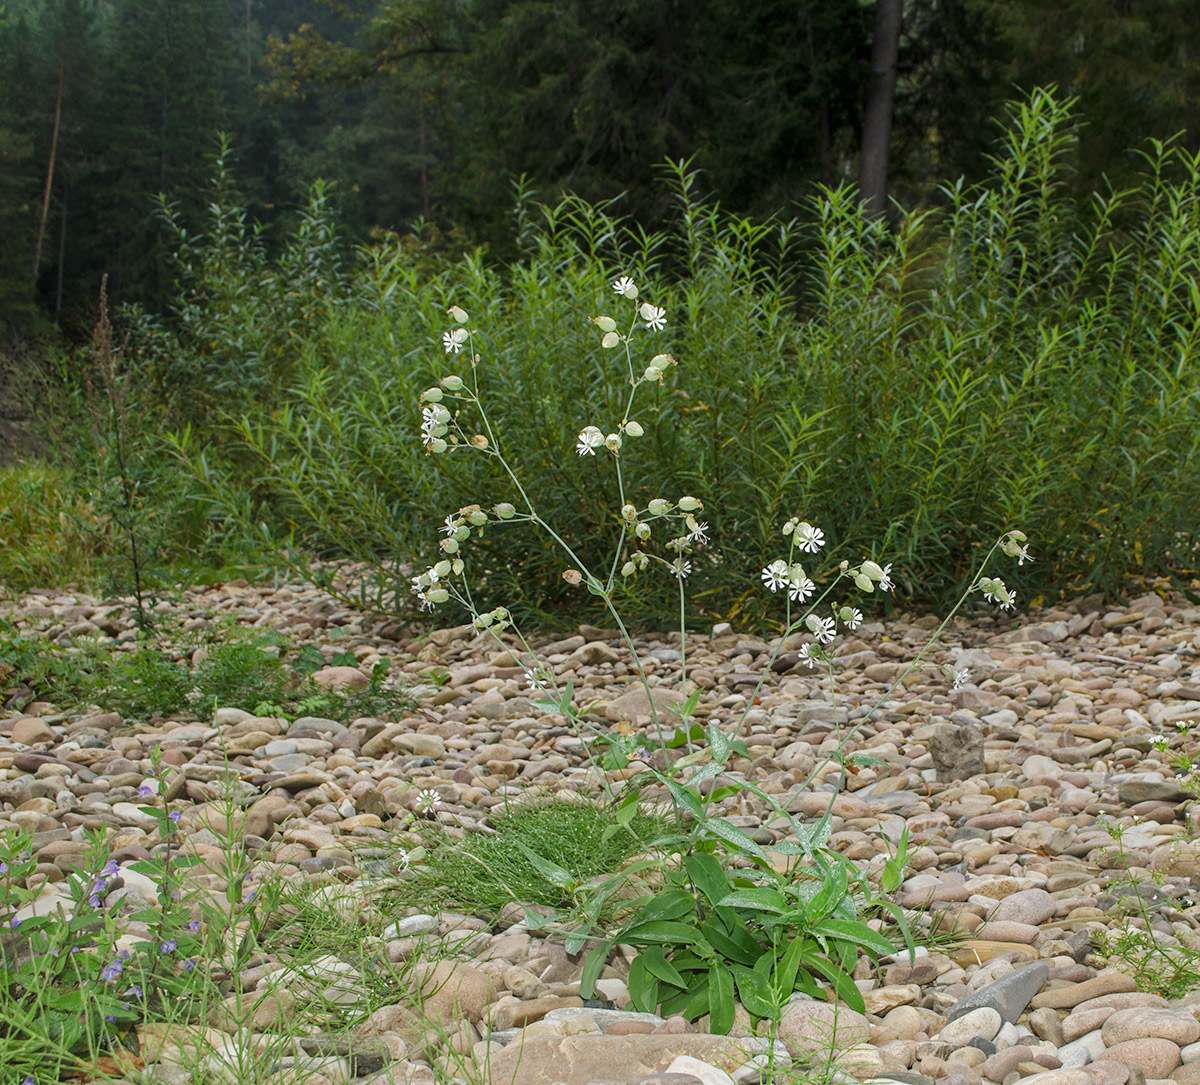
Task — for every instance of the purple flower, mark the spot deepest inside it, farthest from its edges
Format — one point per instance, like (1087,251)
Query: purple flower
(189,965)
(29,1081)
(94,900)
(147,790)
(169,946)
(4,870)
(111,971)
(175,815)
(135,990)
(192,925)
(110,869)
(110,1018)
(14,922)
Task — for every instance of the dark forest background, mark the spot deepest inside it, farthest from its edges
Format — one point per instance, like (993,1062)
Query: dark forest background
(421,113)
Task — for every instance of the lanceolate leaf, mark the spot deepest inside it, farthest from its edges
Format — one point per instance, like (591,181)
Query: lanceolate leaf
(720,999)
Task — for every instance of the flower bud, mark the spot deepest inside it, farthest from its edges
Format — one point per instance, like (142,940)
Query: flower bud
(613,443)
(442,568)
(477,517)
(449,546)
(437,595)
(629,513)
(479,441)
(461,533)
(633,429)
(572,576)
(436,445)
(653,373)
(451,383)
(504,510)
(814,623)
(642,531)
(483,620)
(628,569)
(457,566)
(431,395)
(605,323)
(864,582)
(457,314)
(663,360)
(872,570)
(610,340)
(690,504)
(659,507)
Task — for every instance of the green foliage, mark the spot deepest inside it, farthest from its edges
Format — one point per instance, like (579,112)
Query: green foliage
(915,398)
(541,853)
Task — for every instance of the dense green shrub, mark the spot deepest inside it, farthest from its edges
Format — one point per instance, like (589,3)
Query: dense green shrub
(1007,358)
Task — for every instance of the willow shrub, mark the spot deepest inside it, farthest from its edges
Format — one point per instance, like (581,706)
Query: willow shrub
(914,385)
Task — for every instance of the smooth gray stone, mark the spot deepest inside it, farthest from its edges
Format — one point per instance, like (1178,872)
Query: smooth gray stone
(1008,996)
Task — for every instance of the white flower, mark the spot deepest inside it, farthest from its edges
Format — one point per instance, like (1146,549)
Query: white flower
(450,526)
(427,799)
(625,287)
(698,533)
(1023,556)
(808,537)
(590,439)
(681,567)
(775,575)
(885,581)
(961,678)
(654,317)
(454,340)
(1161,742)
(852,617)
(823,629)
(401,857)
(809,654)
(800,588)
(1011,601)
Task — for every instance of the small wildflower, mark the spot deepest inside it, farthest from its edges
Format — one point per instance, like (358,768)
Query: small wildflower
(169,946)
(450,525)
(885,581)
(823,629)
(110,869)
(958,678)
(189,965)
(452,341)
(112,970)
(427,799)
(809,538)
(148,789)
(799,586)
(642,753)
(175,815)
(681,568)
(135,991)
(625,287)
(1160,742)
(654,317)
(402,858)
(29,1081)
(590,439)
(775,575)
(809,654)
(3,867)
(851,617)
(698,532)
(192,925)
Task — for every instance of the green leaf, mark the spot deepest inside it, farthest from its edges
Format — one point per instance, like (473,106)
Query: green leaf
(687,708)
(832,892)
(592,967)
(858,933)
(752,990)
(864,759)
(643,986)
(727,946)
(720,828)
(842,983)
(707,875)
(720,999)
(687,798)
(656,963)
(718,742)
(759,900)
(669,904)
(664,931)
(553,873)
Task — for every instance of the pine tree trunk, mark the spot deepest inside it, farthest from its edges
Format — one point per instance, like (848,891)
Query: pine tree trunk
(41,234)
(877,118)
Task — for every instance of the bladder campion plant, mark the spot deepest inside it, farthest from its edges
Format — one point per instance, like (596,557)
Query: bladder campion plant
(722,918)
